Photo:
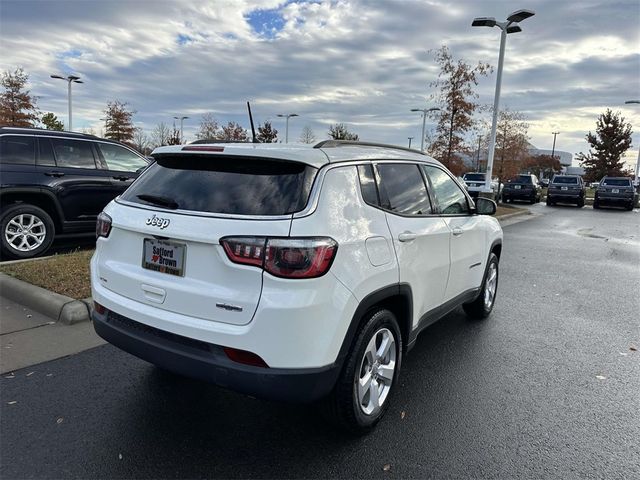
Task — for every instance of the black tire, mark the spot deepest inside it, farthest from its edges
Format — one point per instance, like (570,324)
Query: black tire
(342,406)
(630,206)
(550,202)
(478,308)
(596,205)
(47,228)
(580,203)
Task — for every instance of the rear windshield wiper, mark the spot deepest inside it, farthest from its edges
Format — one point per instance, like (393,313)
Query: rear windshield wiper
(158,200)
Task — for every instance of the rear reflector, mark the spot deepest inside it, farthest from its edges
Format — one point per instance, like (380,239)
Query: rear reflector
(202,148)
(283,257)
(100,309)
(244,357)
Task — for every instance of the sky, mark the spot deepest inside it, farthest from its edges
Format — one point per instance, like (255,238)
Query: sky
(365,63)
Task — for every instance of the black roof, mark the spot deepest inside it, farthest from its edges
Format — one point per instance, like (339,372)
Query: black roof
(53,133)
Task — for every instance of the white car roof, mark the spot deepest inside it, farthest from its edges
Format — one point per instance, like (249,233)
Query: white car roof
(314,155)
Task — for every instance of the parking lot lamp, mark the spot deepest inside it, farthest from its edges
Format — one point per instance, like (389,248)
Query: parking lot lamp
(508,26)
(182,119)
(286,130)
(629,102)
(424,119)
(69,79)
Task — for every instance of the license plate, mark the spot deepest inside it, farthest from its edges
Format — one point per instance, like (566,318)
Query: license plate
(517,187)
(163,256)
(615,190)
(564,188)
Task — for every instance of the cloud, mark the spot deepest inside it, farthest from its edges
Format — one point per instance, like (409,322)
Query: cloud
(362,62)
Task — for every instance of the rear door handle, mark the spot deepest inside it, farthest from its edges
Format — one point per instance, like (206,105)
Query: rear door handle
(121,178)
(457,231)
(407,237)
(54,174)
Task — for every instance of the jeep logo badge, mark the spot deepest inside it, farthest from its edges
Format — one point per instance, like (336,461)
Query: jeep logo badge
(158,222)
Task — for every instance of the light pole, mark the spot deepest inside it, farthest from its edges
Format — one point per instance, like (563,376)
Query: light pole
(629,102)
(69,79)
(424,119)
(182,119)
(286,130)
(553,148)
(410,138)
(478,161)
(506,27)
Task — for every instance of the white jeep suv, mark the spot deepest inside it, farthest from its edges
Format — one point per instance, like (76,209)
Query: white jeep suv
(291,272)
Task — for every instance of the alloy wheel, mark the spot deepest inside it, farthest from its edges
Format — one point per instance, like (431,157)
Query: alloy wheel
(376,372)
(25,232)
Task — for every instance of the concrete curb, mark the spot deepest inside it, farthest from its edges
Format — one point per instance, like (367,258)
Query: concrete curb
(514,214)
(58,307)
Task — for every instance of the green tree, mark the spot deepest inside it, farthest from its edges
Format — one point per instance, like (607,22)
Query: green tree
(119,122)
(266,133)
(51,122)
(611,139)
(456,98)
(339,131)
(17,105)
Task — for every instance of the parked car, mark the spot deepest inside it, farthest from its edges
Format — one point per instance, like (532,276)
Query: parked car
(566,189)
(56,183)
(293,273)
(544,182)
(475,184)
(616,191)
(522,187)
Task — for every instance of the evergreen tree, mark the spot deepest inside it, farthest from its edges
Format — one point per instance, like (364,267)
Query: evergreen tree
(266,133)
(608,144)
(339,131)
(51,122)
(119,122)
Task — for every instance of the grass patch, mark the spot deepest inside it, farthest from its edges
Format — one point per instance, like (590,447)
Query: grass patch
(67,274)
(504,210)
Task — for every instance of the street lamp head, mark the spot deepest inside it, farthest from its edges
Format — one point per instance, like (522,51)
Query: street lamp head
(484,22)
(78,81)
(520,15)
(513,29)
(293,115)
(555,133)
(628,102)
(416,109)
(73,78)
(434,109)
(58,76)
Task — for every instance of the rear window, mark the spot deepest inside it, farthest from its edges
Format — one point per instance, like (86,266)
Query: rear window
(566,180)
(617,182)
(229,185)
(522,179)
(474,176)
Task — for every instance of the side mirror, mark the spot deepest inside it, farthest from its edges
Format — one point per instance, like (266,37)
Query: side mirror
(484,206)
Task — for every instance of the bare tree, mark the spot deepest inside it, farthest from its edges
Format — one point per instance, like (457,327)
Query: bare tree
(209,128)
(307,135)
(17,105)
(141,141)
(174,137)
(160,135)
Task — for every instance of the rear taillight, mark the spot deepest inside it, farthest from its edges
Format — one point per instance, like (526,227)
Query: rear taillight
(103,225)
(244,357)
(283,257)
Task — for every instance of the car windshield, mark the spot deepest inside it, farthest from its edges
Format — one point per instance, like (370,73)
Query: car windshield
(238,185)
(521,179)
(566,180)
(474,176)
(617,182)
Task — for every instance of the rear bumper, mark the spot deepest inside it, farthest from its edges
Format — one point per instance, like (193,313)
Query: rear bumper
(208,362)
(565,196)
(615,200)
(519,194)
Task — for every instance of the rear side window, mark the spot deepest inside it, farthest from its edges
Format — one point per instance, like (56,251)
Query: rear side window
(120,159)
(229,185)
(368,185)
(17,149)
(73,153)
(405,188)
(566,180)
(617,182)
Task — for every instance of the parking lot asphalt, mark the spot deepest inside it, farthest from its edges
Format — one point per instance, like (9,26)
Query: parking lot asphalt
(547,387)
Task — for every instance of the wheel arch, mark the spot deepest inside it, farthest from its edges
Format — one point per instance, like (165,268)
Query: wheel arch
(36,197)
(397,298)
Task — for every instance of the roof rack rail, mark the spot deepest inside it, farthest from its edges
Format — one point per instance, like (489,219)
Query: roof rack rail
(351,143)
(215,140)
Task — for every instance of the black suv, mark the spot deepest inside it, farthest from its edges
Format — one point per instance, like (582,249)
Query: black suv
(616,191)
(566,189)
(522,187)
(56,183)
